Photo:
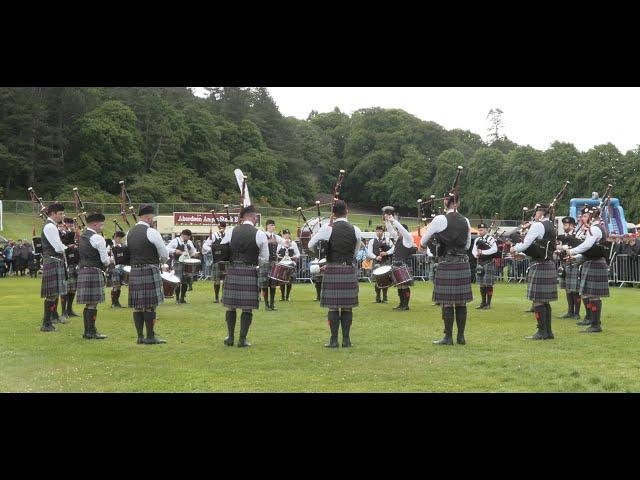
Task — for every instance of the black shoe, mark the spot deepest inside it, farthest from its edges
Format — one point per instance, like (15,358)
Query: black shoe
(140,341)
(378,300)
(346,342)
(48,328)
(98,336)
(216,301)
(447,340)
(71,313)
(536,336)
(385,300)
(576,316)
(317,299)
(584,323)
(116,305)
(273,308)
(461,340)
(154,341)
(481,306)
(567,315)
(592,329)
(399,307)
(243,343)
(229,341)
(333,343)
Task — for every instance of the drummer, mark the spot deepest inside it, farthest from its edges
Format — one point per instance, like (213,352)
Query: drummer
(287,248)
(267,285)
(212,245)
(402,255)
(380,250)
(177,247)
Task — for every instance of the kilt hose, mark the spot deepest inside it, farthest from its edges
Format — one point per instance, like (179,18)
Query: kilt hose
(91,285)
(145,287)
(452,282)
(571,280)
(241,287)
(263,275)
(489,277)
(72,278)
(594,281)
(54,282)
(402,266)
(542,281)
(339,287)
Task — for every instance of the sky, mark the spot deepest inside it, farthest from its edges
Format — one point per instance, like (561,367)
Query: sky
(536,116)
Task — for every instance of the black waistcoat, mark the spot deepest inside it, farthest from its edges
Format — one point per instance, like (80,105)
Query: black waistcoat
(243,244)
(89,256)
(47,249)
(141,250)
(454,237)
(342,243)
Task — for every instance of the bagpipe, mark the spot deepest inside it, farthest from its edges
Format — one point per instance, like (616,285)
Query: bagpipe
(220,252)
(40,211)
(439,250)
(124,197)
(336,194)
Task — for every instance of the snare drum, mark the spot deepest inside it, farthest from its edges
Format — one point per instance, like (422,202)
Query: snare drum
(191,266)
(169,284)
(124,279)
(383,276)
(401,275)
(283,271)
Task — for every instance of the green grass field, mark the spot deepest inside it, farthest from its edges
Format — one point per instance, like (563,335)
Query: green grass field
(392,352)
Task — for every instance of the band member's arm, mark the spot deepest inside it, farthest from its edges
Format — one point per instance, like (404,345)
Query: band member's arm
(358,240)
(438,224)
(191,248)
(370,250)
(263,244)
(98,242)
(407,239)
(323,234)
(154,237)
(206,246)
(494,246)
(227,237)
(53,236)
(536,231)
(468,244)
(595,234)
(474,250)
(173,245)
(296,250)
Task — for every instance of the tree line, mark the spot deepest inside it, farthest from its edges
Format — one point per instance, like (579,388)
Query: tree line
(170,145)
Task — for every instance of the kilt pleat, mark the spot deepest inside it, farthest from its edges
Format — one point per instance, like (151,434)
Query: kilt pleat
(72,278)
(241,287)
(145,287)
(263,275)
(594,281)
(452,282)
(339,287)
(489,277)
(54,282)
(91,285)
(542,282)
(571,280)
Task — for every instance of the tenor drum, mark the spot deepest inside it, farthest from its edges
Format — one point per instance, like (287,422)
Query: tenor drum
(191,265)
(169,284)
(383,276)
(126,270)
(401,275)
(283,271)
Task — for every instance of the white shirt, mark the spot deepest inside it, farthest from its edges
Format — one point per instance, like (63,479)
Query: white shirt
(394,227)
(261,242)
(489,240)
(177,242)
(99,243)
(594,235)
(370,253)
(535,232)
(52,234)
(439,224)
(294,245)
(325,233)
(154,237)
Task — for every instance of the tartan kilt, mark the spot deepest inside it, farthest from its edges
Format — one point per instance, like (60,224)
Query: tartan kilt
(339,287)
(571,280)
(452,283)
(178,271)
(216,274)
(397,265)
(90,286)
(54,282)
(542,280)
(145,287)
(489,277)
(241,287)
(595,278)
(72,278)
(263,275)
(115,276)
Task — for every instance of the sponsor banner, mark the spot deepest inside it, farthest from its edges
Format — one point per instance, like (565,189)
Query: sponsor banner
(202,218)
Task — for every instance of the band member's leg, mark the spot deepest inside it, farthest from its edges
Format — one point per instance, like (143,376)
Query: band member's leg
(595,304)
(401,298)
(407,297)
(346,317)
(483,294)
(461,322)
(282,292)
(216,290)
(245,322)
(576,305)
(272,295)
(385,291)
(587,309)
(489,295)
(570,307)
(548,321)
(149,320)
(540,311)
(63,307)
(230,318)
(89,314)
(265,297)
(138,320)
(289,288)
(448,319)
(378,300)
(333,318)
(318,285)
(49,308)
(183,291)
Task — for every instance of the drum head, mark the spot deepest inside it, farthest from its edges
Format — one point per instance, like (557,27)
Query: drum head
(382,270)
(289,263)
(191,261)
(127,268)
